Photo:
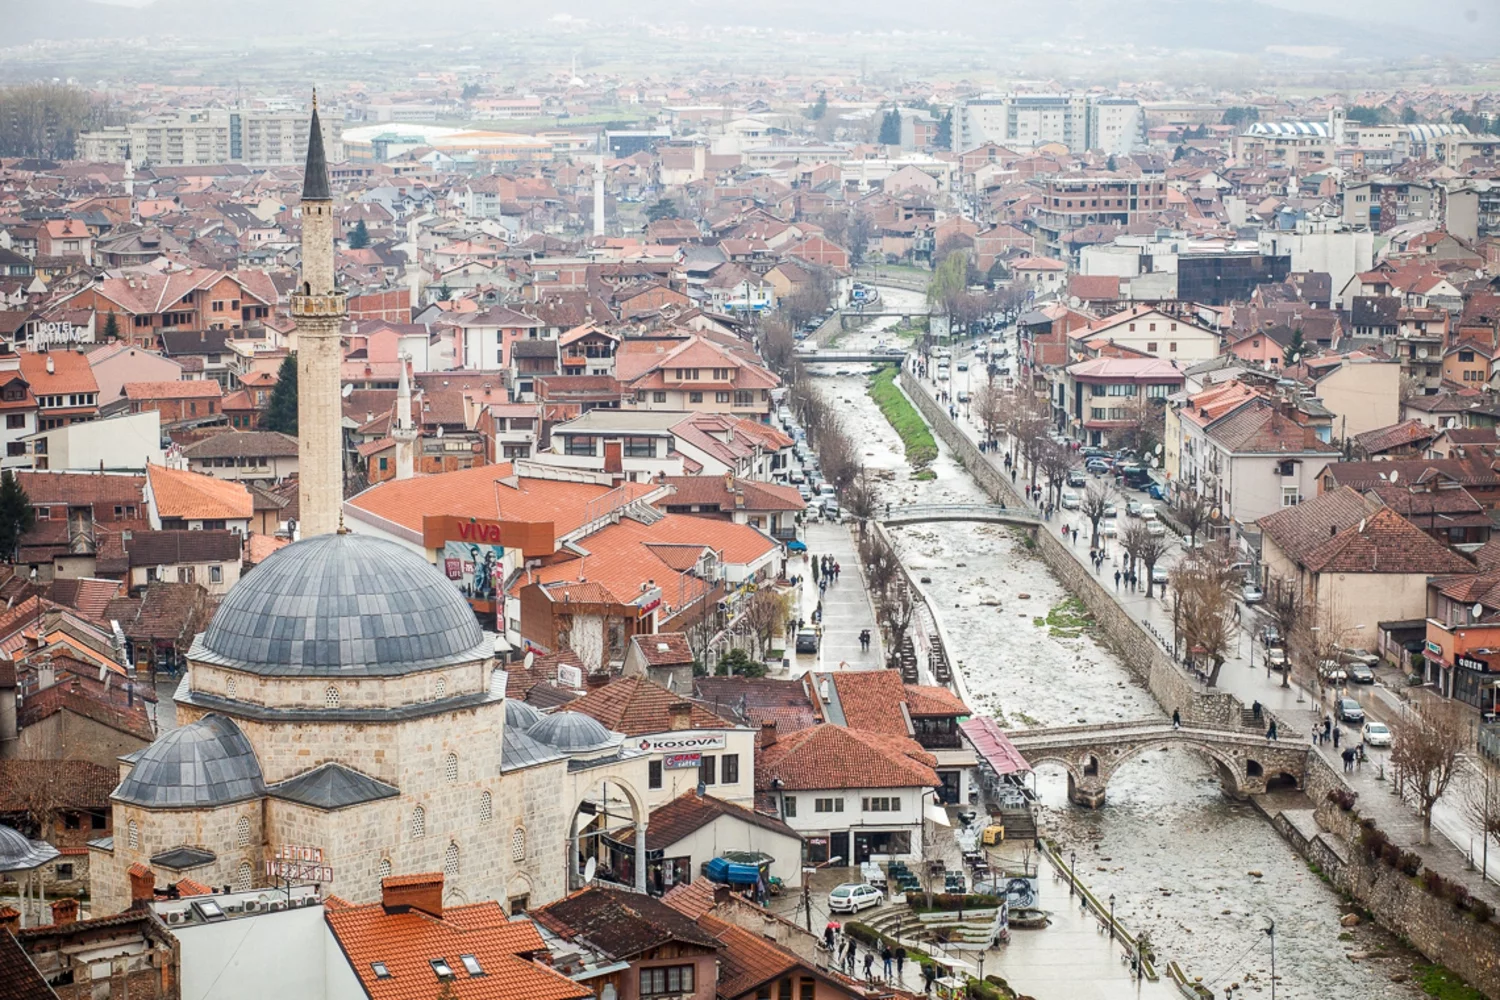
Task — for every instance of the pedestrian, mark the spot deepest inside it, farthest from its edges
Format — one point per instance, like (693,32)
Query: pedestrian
(1271,730)
(900,961)
(929,976)
(1348,760)
(837,569)
(887,957)
(850,955)
(815,568)
(869,966)
(823,585)
(1255,710)
(1327,727)
(1317,735)
(1176,719)
(1117,579)
(1337,734)
(828,936)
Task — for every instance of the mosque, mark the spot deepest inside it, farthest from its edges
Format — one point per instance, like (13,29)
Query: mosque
(343,718)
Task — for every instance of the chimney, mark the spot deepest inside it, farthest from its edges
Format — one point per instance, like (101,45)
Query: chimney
(682,715)
(64,912)
(767,734)
(142,884)
(10,919)
(424,892)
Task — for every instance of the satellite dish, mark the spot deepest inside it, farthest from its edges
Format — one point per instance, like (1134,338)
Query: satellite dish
(609,992)
(440,430)
(1477,610)
(1395,474)
(1421,352)
(1159,448)
(347,390)
(1361,526)
(589,870)
(527,662)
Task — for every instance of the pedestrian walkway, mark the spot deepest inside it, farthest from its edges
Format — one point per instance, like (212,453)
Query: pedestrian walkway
(846,603)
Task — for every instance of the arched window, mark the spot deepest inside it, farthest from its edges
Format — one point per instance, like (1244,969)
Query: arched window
(450,767)
(331,697)
(518,845)
(450,860)
(418,823)
(133,836)
(384,871)
(486,807)
(242,832)
(242,878)
(442,687)
(230,687)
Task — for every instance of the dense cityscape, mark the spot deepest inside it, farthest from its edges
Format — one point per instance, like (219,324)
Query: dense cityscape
(803,505)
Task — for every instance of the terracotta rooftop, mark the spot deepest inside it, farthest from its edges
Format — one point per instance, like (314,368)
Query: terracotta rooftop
(192,496)
(636,706)
(197,389)
(829,756)
(690,812)
(621,924)
(1401,435)
(1344,532)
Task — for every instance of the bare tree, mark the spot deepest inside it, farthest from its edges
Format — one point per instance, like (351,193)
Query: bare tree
(1145,423)
(860,499)
(1144,548)
(1192,509)
(1482,804)
(839,456)
(1288,610)
(1203,602)
(1096,499)
(1427,747)
(1027,418)
(988,407)
(765,611)
(1056,461)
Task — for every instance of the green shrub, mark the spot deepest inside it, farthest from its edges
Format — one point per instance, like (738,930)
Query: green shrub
(1410,863)
(916,436)
(951,902)
(1481,910)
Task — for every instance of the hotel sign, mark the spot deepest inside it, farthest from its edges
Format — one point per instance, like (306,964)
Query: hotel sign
(298,864)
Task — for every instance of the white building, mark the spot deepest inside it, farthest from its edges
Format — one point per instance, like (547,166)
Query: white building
(1079,121)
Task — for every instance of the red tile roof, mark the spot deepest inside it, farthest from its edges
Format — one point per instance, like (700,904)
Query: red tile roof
(191,495)
(830,756)
(636,706)
(197,389)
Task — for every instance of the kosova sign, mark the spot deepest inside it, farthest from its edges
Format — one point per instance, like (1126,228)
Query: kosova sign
(686,741)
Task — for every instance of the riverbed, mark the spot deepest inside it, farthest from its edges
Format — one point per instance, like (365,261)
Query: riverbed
(1175,852)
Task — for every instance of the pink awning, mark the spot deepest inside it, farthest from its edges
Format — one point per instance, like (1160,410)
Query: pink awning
(994,746)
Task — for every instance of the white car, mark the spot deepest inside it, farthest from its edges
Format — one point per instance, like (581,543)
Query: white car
(1148,512)
(851,897)
(1155,529)
(1377,734)
(1109,529)
(1070,500)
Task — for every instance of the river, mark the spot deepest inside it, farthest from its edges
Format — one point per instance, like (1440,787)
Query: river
(1175,852)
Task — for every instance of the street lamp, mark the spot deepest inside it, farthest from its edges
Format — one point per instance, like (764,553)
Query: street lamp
(1072,871)
(1271,933)
(1111,916)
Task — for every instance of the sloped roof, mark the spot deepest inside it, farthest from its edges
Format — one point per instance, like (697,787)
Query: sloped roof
(690,812)
(1344,532)
(192,496)
(829,756)
(332,786)
(1398,435)
(636,706)
(620,924)
(1260,428)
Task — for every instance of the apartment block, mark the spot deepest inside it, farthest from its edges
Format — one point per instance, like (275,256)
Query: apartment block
(1079,121)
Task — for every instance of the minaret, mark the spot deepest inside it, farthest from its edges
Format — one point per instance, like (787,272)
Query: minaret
(599,196)
(402,430)
(318,308)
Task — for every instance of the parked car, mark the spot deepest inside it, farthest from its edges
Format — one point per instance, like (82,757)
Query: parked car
(1361,674)
(1077,478)
(1155,529)
(1148,512)
(1350,712)
(963,366)
(1377,734)
(1251,594)
(1098,466)
(1356,656)
(851,897)
(1110,510)
(807,641)
(831,509)
(1332,672)
(1132,508)
(1109,529)
(804,489)
(963,395)
(1270,635)
(1155,492)
(1158,574)
(827,490)
(1070,500)
(1276,658)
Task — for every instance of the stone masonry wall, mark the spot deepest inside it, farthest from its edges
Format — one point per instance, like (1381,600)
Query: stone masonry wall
(1145,657)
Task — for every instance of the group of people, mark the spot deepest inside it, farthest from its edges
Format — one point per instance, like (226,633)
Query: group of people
(825,571)
(846,955)
(864,640)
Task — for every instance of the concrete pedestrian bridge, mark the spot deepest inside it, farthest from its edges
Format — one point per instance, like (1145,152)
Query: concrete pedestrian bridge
(991,513)
(851,357)
(1247,762)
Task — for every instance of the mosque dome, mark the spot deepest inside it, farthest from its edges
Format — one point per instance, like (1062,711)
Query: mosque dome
(574,733)
(520,715)
(342,605)
(202,764)
(18,853)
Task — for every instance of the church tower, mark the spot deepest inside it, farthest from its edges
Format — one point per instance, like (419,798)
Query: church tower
(402,430)
(318,308)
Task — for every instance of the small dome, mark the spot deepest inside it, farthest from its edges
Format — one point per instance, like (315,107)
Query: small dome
(19,853)
(342,605)
(520,715)
(573,732)
(205,763)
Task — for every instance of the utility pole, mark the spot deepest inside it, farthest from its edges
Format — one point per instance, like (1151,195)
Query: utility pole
(1271,933)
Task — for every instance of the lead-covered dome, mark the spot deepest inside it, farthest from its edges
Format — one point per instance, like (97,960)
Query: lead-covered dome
(342,605)
(204,763)
(573,733)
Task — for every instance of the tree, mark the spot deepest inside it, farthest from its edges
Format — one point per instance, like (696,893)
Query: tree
(1295,348)
(1179,153)
(44,119)
(16,514)
(700,627)
(1027,419)
(1482,804)
(859,499)
(764,613)
(470,91)
(1203,607)
(988,406)
(662,208)
(1288,610)
(1056,460)
(890,128)
(819,108)
(738,663)
(1144,426)
(1111,164)
(281,413)
(861,229)
(359,238)
(1099,495)
(943,139)
(1427,746)
(1409,115)
(111,327)
(1192,509)
(1144,548)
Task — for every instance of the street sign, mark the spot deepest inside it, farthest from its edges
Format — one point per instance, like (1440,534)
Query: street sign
(297,871)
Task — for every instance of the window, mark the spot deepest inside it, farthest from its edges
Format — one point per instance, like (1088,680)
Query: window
(706,770)
(133,836)
(721,397)
(1151,344)
(381,972)
(518,844)
(450,767)
(666,979)
(807,989)
(71,821)
(1172,347)
(15,420)
(744,398)
(383,871)
(242,832)
(882,803)
(730,768)
(15,449)
(653,774)
(828,805)
(789,806)
(98,821)
(695,397)
(658,396)
(471,965)
(418,823)
(578,444)
(242,878)
(486,807)
(441,968)
(450,859)
(1289,496)
(784,989)
(640,447)
(64,873)
(216,574)
(230,687)
(441,687)
(331,697)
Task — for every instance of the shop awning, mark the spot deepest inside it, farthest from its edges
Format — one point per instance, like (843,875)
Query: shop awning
(994,746)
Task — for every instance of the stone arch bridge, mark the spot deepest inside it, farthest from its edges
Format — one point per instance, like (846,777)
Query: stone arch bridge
(991,513)
(1247,762)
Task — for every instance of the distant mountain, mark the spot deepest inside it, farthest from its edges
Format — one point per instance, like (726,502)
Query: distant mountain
(1226,25)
